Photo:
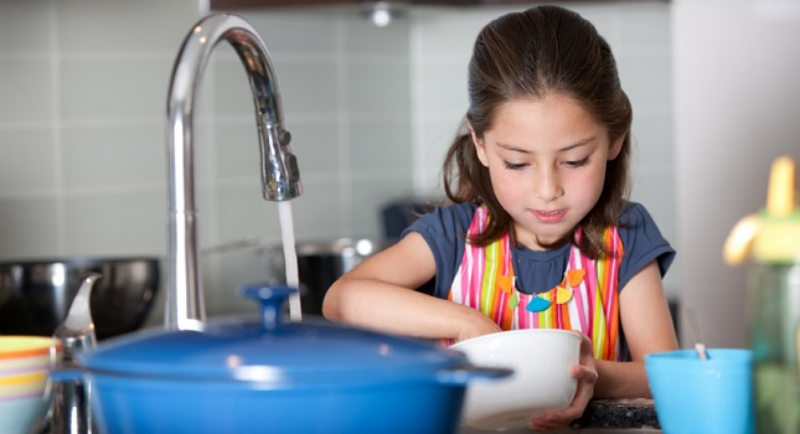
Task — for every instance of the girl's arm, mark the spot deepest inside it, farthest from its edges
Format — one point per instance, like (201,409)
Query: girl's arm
(379,294)
(645,317)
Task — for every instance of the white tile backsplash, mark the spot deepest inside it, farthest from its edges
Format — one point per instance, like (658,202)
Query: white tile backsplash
(25,27)
(381,145)
(241,211)
(373,195)
(652,140)
(309,86)
(27,162)
(103,88)
(114,157)
(646,26)
(116,223)
(645,78)
(232,94)
(363,38)
(317,146)
(371,110)
(444,86)
(308,31)
(29,227)
(26,90)
(124,26)
(378,86)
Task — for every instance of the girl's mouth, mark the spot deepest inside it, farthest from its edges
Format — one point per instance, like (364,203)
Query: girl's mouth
(550,216)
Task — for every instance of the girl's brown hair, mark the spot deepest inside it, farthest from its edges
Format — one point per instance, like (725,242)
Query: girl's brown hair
(529,54)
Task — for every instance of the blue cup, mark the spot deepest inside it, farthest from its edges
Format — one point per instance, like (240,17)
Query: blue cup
(713,396)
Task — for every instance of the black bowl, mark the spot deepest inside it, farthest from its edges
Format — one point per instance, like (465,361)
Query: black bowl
(35,295)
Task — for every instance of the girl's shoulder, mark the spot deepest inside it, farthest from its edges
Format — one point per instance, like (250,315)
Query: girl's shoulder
(636,219)
(448,220)
(635,214)
(443,229)
(642,242)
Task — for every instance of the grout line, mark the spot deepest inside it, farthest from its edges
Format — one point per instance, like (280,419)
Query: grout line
(58,139)
(75,192)
(101,123)
(344,121)
(117,55)
(418,112)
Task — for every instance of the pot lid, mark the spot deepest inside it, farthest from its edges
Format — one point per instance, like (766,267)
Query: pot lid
(271,351)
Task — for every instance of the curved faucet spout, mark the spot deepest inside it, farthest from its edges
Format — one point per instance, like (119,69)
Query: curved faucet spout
(280,175)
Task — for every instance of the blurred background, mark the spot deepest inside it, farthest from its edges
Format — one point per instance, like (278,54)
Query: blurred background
(372,109)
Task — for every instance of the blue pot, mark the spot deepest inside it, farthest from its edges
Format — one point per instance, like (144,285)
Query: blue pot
(270,376)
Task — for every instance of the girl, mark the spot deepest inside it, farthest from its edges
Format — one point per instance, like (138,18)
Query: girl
(539,232)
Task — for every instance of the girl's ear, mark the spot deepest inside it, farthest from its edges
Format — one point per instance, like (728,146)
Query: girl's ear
(480,148)
(616,146)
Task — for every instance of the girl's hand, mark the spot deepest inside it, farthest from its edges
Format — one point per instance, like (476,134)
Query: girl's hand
(586,374)
(477,325)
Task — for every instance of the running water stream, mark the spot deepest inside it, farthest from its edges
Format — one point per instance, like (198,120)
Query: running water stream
(290,258)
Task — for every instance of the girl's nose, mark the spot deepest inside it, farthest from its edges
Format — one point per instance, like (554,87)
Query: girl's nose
(547,185)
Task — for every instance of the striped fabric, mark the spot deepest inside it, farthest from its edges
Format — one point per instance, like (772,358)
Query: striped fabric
(485,281)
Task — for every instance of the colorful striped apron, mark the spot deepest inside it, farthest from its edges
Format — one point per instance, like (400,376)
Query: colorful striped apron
(586,300)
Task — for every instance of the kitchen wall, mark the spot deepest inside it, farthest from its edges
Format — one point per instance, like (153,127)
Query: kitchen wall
(371,111)
(736,110)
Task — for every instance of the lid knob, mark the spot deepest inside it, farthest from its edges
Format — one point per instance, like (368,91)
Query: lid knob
(272,300)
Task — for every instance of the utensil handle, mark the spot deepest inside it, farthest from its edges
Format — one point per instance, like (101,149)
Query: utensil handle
(71,408)
(461,375)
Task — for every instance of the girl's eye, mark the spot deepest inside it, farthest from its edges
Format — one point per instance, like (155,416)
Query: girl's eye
(512,166)
(577,163)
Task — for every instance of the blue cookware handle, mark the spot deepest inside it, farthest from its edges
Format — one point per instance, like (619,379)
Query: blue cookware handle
(461,375)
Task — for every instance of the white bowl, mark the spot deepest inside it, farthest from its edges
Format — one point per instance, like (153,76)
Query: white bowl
(540,358)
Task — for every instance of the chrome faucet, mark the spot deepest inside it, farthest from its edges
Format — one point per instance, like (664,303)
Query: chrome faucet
(280,175)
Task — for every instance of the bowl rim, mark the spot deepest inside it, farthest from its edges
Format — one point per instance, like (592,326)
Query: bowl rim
(462,344)
(689,356)
(27,346)
(78,261)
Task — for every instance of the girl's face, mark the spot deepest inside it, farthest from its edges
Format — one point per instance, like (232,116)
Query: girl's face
(547,161)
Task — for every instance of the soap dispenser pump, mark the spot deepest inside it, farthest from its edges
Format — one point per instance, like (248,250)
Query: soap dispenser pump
(770,239)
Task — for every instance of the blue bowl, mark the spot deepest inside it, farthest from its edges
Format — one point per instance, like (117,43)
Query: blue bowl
(702,396)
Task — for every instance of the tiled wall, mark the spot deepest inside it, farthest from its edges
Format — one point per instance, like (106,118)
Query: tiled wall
(371,110)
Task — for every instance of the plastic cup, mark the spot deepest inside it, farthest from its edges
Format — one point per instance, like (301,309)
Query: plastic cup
(713,396)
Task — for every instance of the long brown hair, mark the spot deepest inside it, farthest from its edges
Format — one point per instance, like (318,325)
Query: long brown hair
(528,54)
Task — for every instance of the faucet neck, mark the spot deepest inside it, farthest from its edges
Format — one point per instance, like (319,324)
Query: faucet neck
(185,307)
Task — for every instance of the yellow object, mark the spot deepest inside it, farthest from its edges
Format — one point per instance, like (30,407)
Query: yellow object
(772,235)
(563,295)
(737,246)
(780,197)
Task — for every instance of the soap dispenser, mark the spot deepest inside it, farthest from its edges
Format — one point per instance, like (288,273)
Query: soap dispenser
(769,241)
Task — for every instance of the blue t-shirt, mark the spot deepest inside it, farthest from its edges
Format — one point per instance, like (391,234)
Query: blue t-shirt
(444,230)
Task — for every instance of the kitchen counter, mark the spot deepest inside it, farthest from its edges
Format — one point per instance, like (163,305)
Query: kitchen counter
(571,430)
(605,416)
(602,416)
